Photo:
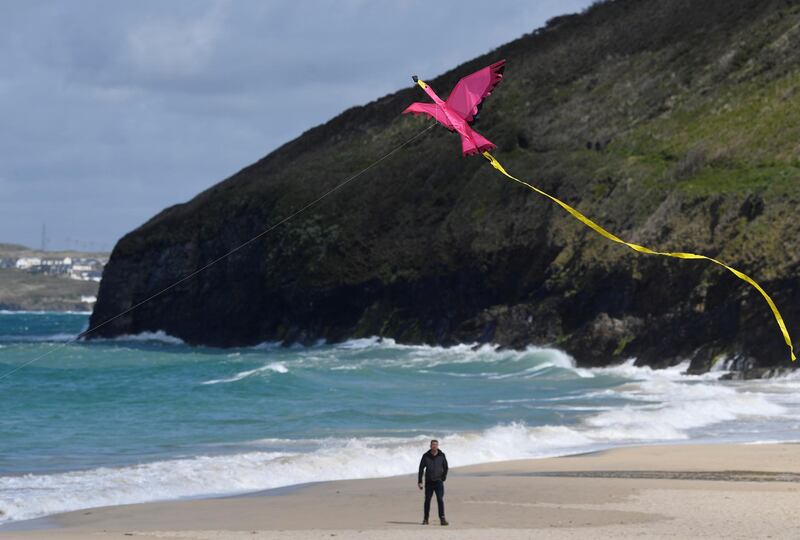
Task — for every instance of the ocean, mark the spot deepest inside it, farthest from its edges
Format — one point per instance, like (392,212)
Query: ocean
(143,418)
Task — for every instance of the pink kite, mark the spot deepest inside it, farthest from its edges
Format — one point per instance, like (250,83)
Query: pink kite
(461,107)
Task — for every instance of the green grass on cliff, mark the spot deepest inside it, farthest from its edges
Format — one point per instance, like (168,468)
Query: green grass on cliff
(746,138)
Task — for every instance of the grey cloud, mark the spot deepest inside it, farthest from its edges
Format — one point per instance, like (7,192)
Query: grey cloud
(110,111)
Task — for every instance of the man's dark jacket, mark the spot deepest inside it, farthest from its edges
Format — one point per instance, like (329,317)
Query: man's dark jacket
(435,467)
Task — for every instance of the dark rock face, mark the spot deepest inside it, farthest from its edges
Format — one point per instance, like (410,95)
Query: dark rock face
(696,103)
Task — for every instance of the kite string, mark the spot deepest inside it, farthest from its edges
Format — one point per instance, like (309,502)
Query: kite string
(641,249)
(221,257)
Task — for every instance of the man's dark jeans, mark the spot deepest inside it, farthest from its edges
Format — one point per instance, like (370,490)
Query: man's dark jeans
(431,487)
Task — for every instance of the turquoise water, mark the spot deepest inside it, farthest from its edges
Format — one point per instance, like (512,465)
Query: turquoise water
(147,417)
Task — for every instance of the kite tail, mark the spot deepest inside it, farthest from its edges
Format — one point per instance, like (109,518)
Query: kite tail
(641,249)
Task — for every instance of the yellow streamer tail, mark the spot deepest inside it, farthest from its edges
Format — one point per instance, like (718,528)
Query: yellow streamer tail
(641,249)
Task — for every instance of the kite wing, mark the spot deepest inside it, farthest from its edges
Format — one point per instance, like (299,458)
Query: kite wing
(432,110)
(470,91)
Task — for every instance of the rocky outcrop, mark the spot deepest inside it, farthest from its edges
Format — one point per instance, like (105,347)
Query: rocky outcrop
(696,107)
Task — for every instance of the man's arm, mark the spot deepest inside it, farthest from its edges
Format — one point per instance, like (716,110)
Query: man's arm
(444,465)
(421,469)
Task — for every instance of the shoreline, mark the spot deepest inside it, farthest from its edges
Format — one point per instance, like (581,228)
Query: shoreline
(716,490)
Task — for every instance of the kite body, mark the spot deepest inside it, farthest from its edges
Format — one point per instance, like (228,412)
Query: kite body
(461,107)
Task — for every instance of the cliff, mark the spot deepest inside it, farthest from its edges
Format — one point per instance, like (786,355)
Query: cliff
(674,124)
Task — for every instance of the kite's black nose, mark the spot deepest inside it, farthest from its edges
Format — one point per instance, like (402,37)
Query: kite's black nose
(414,78)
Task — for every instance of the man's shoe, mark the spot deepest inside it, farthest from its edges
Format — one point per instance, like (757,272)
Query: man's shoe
(443,521)
(425,521)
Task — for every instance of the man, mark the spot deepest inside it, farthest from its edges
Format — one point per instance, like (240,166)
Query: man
(435,466)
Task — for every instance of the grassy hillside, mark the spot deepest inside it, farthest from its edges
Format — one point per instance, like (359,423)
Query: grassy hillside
(35,292)
(20,290)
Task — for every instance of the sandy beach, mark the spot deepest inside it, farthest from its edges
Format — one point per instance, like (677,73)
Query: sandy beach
(679,491)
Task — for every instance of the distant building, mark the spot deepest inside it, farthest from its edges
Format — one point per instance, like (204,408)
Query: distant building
(81,268)
(26,263)
(86,269)
(55,267)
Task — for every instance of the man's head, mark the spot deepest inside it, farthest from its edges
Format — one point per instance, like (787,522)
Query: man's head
(434,445)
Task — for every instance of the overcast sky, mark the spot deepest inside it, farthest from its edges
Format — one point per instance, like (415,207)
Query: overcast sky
(111,111)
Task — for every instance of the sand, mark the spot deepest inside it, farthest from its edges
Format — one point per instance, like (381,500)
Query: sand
(680,491)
